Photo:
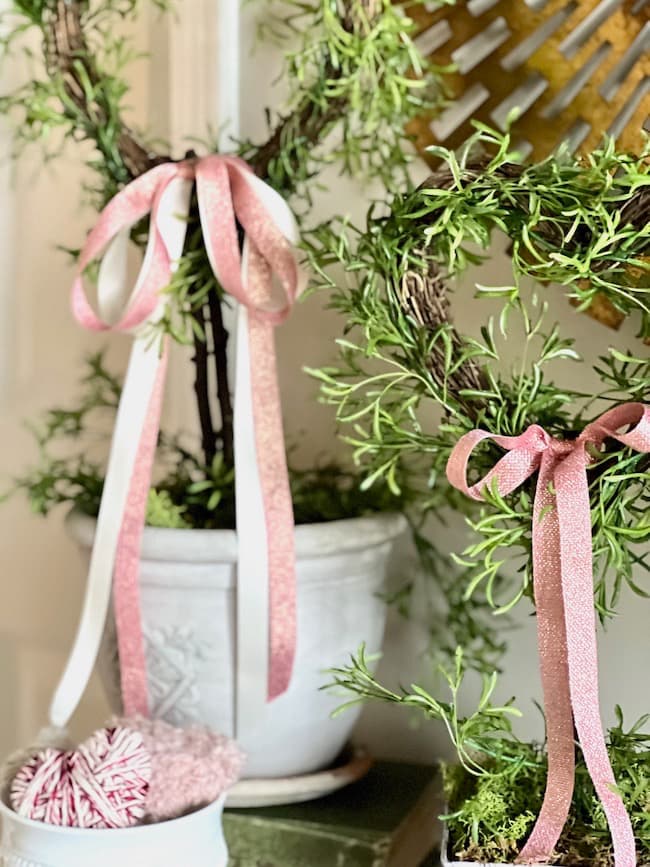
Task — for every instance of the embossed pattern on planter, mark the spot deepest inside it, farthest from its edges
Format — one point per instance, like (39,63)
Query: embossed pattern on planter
(173,656)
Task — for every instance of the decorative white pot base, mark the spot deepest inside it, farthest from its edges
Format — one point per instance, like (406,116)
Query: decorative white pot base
(188,589)
(196,839)
(293,790)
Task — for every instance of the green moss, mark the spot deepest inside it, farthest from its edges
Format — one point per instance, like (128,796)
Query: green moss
(490,815)
(163,512)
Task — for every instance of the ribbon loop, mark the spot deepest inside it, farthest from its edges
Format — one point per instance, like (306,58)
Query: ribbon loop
(266,279)
(566,622)
(522,458)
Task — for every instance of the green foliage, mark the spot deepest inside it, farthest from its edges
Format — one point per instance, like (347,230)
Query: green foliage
(568,218)
(188,494)
(471,736)
(408,385)
(358,69)
(163,512)
(395,365)
(491,815)
(48,111)
(494,795)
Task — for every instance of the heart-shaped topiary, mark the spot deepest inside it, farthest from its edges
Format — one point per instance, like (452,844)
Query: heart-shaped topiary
(102,784)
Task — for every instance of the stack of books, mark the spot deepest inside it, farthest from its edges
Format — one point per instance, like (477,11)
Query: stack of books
(387,819)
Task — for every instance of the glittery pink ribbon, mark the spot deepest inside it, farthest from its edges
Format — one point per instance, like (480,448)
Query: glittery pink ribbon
(566,621)
(267,281)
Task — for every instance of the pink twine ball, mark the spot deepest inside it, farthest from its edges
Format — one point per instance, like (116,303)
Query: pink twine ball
(190,767)
(102,784)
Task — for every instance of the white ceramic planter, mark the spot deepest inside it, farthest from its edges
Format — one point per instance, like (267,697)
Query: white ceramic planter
(196,839)
(188,589)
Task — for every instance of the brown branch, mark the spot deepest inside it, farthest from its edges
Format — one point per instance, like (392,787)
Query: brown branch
(308,123)
(66,53)
(202,390)
(424,296)
(219,349)
(636,210)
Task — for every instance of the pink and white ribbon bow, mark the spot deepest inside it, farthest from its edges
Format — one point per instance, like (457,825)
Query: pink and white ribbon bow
(265,279)
(566,621)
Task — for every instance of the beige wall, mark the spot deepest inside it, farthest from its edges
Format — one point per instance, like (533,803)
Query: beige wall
(41,361)
(42,572)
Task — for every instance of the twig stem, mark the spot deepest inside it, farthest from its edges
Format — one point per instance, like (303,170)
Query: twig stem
(202,389)
(220,356)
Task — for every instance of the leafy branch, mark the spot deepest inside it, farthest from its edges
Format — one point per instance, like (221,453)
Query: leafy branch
(401,357)
(471,736)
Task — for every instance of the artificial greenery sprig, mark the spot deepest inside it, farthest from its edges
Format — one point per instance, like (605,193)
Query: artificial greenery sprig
(471,735)
(352,66)
(579,222)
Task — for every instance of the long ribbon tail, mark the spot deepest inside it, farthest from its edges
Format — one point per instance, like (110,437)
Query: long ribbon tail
(552,642)
(577,567)
(274,479)
(126,584)
(165,193)
(266,280)
(252,557)
(140,380)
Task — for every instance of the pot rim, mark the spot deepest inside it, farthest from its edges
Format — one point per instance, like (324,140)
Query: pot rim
(206,546)
(11,817)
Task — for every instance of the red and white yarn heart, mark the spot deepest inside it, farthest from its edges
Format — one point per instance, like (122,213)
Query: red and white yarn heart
(102,784)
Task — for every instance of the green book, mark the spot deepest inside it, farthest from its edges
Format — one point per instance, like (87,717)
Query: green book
(387,819)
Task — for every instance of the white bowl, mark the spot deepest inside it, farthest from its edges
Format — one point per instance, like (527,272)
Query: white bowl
(196,839)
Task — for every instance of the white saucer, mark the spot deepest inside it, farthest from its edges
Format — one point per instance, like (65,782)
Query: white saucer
(293,790)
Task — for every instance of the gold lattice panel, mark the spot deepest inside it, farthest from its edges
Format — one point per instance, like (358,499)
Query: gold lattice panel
(574,68)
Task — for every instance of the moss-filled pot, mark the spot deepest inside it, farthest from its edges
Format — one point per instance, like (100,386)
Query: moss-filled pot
(448,859)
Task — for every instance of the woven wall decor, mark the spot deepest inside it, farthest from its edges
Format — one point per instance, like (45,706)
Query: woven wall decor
(575,69)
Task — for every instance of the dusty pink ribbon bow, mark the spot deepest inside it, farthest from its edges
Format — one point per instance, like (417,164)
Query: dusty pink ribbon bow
(566,622)
(266,281)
